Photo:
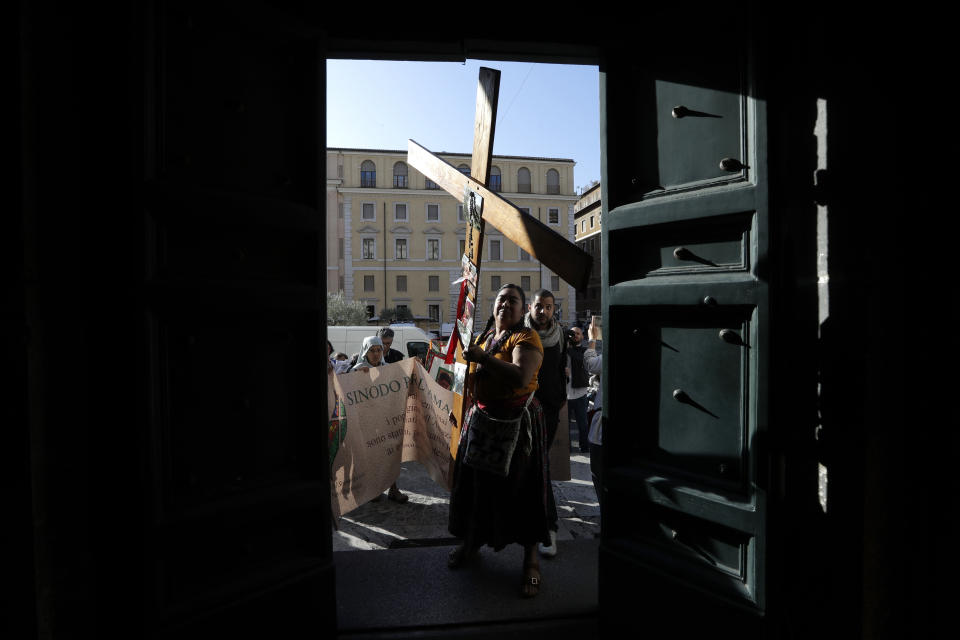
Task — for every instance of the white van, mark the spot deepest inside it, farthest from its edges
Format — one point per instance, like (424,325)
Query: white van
(407,338)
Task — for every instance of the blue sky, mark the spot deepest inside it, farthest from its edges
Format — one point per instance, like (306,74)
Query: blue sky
(545,110)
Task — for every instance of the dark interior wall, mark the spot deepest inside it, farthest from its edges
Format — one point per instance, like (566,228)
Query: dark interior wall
(80,165)
(81,453)
(17,535)
(876,547)
(863,568)
(886,479)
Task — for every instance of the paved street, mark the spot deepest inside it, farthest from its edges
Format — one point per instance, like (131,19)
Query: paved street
(385,524)
(413,588)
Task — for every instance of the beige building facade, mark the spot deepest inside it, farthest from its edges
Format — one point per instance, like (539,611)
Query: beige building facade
(394,239)
(587,224)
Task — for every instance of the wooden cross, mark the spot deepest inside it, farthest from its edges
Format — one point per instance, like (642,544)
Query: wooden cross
(550,248)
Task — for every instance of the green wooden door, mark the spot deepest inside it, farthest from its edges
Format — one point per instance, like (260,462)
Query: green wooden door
(685,231)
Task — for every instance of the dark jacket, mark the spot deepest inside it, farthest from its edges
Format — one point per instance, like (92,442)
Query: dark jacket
(551,378)
(578,374)
(392,355)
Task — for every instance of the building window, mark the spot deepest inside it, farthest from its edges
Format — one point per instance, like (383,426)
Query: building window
(400,175)
(464,169)
(433,248)
(433,310)
(401,283)
(340,210)
(369,211)
(340,171)
(400,212)
(496,184)
(463,247)
(460,213)
(368,174)
(523,180)
(400,249)
(494,283)
(403,310)
(430,184)
(524,256)
(371,310)
(433,212)
(342,283)
(554,283)
(369,248)
(340,248)
(583,226)
(553,181)
(553,215)
(591,222)
(525,283)
(368,283)
(494,250)
(433,283)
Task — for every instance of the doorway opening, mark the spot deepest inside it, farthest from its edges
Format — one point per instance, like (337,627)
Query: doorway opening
(387,224)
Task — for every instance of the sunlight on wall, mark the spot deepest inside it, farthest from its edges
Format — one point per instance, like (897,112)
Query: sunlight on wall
(823,274)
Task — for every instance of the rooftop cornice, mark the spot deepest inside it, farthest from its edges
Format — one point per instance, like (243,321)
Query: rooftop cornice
(454,154)
(439,193)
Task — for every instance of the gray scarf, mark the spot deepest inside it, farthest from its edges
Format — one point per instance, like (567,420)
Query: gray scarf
(550,337)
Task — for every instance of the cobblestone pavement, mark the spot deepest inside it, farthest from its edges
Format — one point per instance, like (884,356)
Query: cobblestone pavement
(382,524)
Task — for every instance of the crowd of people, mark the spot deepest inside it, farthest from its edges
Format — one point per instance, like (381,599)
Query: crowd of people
(528,369)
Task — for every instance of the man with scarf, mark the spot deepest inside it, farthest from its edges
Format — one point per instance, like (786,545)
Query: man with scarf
(552,392)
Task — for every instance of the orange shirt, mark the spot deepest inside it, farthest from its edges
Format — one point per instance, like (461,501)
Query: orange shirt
(490,388)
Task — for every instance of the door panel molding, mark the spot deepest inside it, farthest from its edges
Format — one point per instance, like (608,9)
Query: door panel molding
(686,308)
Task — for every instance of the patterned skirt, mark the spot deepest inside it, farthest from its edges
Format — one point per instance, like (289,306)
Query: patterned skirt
(497,511)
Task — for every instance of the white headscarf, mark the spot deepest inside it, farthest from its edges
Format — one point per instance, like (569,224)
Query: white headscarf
(362,362)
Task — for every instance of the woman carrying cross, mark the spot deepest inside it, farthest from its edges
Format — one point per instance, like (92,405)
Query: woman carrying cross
(500,480)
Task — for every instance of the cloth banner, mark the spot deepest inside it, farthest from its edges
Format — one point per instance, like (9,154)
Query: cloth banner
(380,418)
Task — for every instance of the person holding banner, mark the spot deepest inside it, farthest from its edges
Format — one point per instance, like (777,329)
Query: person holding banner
(500,480)
(371,355)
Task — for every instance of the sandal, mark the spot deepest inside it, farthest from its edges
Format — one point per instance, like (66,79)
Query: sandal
(397,496)
(531,581)
(459,556)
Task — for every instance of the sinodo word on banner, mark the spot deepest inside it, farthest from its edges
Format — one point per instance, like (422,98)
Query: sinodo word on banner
(381,418)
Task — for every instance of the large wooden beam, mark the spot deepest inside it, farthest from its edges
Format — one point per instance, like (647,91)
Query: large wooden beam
(533,236)
(485,121)
(485,124)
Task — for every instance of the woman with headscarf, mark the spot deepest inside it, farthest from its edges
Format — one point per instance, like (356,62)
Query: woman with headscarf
(371,355)
(500,477)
